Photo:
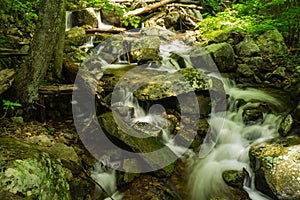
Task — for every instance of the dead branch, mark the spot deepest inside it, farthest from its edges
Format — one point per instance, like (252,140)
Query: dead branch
(148,8)
(7,76)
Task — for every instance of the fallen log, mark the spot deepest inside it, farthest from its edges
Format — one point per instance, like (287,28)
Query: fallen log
(10,53)
(148,8)
(56,89)
(7,76)
(111,29)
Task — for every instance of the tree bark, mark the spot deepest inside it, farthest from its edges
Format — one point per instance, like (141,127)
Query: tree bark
(59,49)
(148,8)
(26,85)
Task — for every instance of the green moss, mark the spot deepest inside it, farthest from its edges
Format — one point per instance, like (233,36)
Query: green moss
(27,171)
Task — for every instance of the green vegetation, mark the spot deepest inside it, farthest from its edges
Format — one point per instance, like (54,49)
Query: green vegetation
(9,106)
(254,17)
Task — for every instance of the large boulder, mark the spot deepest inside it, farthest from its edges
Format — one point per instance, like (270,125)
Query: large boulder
(85,17)
(27,171)
(139,142)
(276,164)
(247,48)
(145,49)
(223,55)
(272,43)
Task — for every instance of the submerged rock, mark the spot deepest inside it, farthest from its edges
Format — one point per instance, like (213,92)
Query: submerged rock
(277,167)
(27,171)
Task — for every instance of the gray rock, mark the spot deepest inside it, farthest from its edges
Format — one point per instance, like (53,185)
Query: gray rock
(84,17)
(272,42)
(30,172)
(276,165)
(247,48)
(145,49)
(223,55)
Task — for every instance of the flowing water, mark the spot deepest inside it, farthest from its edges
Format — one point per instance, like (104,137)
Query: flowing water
(225,148)
(229,150)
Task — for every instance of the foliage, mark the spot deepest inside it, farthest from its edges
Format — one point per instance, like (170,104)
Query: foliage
(282,14)
(9,106)
(132,20)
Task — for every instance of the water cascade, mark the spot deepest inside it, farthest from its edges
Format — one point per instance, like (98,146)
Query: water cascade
(230,150)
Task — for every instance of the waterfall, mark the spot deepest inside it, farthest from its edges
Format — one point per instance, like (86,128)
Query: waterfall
(68,20)
(229,151)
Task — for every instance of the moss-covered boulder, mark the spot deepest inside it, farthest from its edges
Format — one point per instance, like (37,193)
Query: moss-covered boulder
(276,164)
(84,17)
(145,49)
(223,55)
(28,172)
(247,48)
(139,142)
(75,36)
(272,43)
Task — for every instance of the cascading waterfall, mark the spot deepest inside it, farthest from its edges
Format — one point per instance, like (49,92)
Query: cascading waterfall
(68,20)
(229,151)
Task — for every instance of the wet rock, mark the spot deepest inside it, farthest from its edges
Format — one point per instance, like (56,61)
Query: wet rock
(252,116)
(286,125)
(223,55)
(272,43)
(27,171)
(145,49)
(139,142)
(84,17)
(234,178)
(276,165)
(247,48)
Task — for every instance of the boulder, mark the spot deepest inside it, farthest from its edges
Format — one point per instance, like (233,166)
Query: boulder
(272,43)
(145,49)
(84,17)
(247,48)
(276,164)
(28,172)
(75,36)
(139,142)
(223,55)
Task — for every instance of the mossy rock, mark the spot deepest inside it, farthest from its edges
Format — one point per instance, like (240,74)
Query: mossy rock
(31,173)
(277,167)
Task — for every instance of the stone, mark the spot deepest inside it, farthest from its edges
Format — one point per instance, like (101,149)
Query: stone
(276,164)
(68,156)
(84,17)
(286,125)
(223,55)
(145,49)
(139,142)
(252,116)
(234,178)
(75,36)
(29,172)
(271,43)
(247,48)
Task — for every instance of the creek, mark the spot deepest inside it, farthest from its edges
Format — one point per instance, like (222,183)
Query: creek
(229,138)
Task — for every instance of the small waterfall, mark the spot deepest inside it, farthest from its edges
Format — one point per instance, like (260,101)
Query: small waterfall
(89,44)
(68,20)
(229,150)
(106,180)
(100,23)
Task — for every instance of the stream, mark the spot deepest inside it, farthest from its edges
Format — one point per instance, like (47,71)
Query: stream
(226,145)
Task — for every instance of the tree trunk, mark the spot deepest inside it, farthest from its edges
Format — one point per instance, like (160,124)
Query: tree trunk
(26,85)
(59,49)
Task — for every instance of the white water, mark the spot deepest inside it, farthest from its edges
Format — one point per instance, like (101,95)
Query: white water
(106,178)
(229,148)
(68,20)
